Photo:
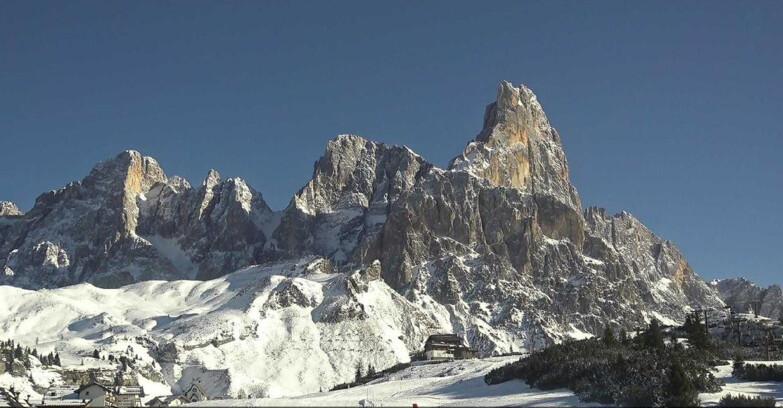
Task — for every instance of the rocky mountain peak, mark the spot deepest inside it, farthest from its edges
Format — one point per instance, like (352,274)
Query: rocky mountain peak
(130,170)
(213,179)
(8,208)
(518,148)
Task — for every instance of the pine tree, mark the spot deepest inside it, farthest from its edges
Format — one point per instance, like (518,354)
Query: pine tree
(96,354)
(609,339)
(57,360)
(358,373)
(696,333)
(370,371)
(680,390)
(653,337)
(738,368)
(624,340)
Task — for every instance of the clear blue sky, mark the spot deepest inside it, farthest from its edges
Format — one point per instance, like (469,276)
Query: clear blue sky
(669,110)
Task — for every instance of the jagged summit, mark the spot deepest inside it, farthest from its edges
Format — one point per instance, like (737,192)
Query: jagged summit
(129,170)
(743,296)
(8,208)
(212,179)
(518,148)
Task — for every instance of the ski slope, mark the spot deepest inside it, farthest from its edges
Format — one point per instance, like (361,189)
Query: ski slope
(457,383)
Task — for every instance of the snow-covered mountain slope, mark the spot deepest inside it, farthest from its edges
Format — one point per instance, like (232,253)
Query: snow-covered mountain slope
(743,295)
(284,329)
(452,384)
(495,248)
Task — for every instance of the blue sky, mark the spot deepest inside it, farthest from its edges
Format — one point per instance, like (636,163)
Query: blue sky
(669,110)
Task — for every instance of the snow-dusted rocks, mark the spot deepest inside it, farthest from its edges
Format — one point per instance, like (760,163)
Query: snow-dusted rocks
(496,249)
(743,296)
(518,148)
(92,224)
(8,208)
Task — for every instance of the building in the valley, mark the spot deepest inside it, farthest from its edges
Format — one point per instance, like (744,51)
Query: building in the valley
(128,396)
(194,393)
(96,395)
(167,401)
(61,392)
(447,347)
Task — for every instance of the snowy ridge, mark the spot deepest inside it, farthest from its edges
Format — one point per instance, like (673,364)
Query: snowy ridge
(284,329)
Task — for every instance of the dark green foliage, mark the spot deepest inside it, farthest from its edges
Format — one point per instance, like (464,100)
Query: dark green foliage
(743,401)
(624,340)
(609,338)
(696,333)
(369,377)
(680,389)
(759,372)
(642,373)
(96,354)
(652,338)
(738,367)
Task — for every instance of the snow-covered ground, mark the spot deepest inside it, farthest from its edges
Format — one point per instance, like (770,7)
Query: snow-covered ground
(750,388)
(284,329)
(458,383)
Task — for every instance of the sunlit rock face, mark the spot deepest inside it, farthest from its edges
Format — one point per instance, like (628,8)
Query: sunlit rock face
(744,296)
(496,247)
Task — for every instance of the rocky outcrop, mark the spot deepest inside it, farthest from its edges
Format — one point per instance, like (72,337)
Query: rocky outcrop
(126,222)
(496,248)
(91,223)
(9,209)
(744,296)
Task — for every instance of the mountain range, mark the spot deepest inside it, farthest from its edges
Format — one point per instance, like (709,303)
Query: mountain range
(380,247)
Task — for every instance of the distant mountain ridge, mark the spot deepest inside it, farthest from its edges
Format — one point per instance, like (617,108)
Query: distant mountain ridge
(743,295)
(496,247)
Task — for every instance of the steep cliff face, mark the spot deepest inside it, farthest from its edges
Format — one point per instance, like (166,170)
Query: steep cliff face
(127,222)
(743,296)
(495,248)
(207,231)
(86,230)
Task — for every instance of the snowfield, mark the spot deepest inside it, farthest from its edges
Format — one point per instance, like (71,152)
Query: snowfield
(285,329)
(457,383)
(750,388)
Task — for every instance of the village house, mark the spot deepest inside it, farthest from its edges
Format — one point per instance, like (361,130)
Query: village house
(61,392)
(128,396)
(447,347)
(167,401)
(194,393)
(96,395)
